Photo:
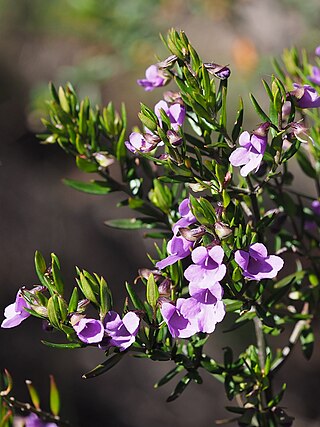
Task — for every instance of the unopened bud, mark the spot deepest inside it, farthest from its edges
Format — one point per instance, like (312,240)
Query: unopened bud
(168,62)
(151,139)
(165,287)
(146,272)
(220,71)
(172,97)
(192,235)
(103,159)
(174,138)
(262,130)
(227,179)
(222,230)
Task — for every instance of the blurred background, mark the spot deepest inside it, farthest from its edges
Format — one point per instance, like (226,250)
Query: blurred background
(102,47)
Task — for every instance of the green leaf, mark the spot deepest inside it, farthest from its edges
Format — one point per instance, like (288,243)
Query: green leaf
(86,289)
(71,345)
(57,276)
(73,303)
(41,269)
(238,123)
(86,165)
(180,387)
(105,366)
(290,279)
(54,397)
(306,165)
(105,298)
(136,301)
(152,292)
(93,187)
(307,341)
(34,395)
(133,223)
(259,110)
(53,313)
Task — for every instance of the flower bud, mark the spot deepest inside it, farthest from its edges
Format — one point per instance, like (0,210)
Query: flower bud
(262,130)
(168,62)
(172,97)
(174,139)
(165,288)
(220,71)
(222,230)
(192,235)
(103,159)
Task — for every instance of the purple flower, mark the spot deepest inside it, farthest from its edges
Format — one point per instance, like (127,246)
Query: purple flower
(315,206)
(89,331)
(257,264)
(187,217)
(178,248)
(33,420)
(204,314)
(175,112)
(305,96)
(154,78)
(179,325)
(317,51)
(315,76)
(207,267)
(139,142)
(252,149)
(121,333)
(15,313)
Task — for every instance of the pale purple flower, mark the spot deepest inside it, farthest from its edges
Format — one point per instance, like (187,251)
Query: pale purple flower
(176,113)
(179,325)
(138,142)
(317,51)
(89,331)
(207,268)
(315,206)
(305,96)
(178,248)
(252,149)
(257,264)
(187,217)
(203,314)
(15,313)
(154,78)
(121,333)
(33,420)
(315,76)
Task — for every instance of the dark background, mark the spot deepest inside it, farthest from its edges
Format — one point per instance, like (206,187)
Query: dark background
(102,47)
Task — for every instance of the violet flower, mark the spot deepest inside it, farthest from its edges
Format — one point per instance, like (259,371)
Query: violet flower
(154,78)
(315,76)
(305,96)
(207,267)
(252,149)
(315,206)
(257,264)
(33,420)
(179,325)
(317,51)
(204,314)
(15,313)
(120,333)
(176,113)
(138,142)
(178,248)
(220,71)
(89,331)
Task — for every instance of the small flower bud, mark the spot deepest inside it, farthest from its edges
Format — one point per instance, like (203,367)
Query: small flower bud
(168,62)
(151,139)
(222,230)
(103,159)
(174,139)
(172,97)
(220,71)
(165,288)
(227,179)
(192,235)
(262,130)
